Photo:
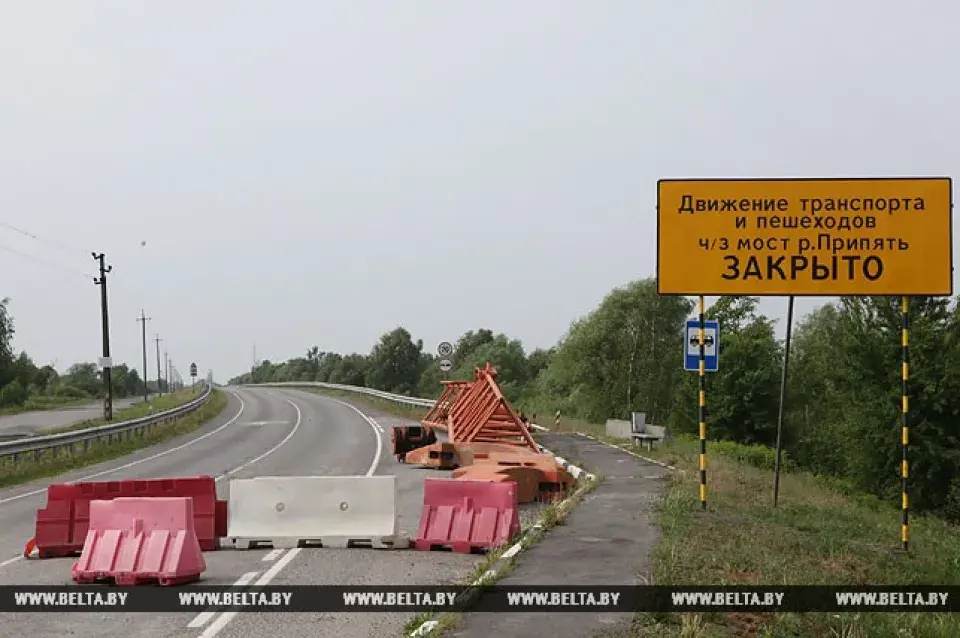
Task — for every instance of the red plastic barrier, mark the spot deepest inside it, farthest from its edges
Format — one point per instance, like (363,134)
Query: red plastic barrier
(219,522)
(62,525)
(134,541)
(467,515)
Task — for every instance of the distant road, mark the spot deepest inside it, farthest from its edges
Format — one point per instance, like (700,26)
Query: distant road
(261,432)
(31,423)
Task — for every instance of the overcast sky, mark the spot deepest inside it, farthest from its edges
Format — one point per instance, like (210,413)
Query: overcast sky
(319,172)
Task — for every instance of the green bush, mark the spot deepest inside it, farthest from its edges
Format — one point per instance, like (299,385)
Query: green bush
(951,510)
(758,456)
(12,394)
(69,392)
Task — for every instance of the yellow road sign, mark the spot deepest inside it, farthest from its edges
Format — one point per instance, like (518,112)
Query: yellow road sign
(805,237)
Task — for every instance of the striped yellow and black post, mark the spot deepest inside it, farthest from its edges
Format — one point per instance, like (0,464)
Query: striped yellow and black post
(702,409)
(904,464)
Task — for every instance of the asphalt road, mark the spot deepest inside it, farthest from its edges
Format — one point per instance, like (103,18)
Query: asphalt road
(30,423)
(262,432)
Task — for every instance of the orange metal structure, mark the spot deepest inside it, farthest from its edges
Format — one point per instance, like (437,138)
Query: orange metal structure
(438,414)
(486,440)
(477,412)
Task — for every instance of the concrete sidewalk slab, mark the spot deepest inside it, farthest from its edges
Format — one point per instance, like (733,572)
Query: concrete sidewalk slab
(605,540)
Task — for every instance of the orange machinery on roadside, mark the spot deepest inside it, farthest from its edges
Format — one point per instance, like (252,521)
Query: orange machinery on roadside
(486,440)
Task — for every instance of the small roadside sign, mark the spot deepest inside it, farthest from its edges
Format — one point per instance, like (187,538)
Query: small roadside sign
(711,350)
(445,349)
(446,365)
(193,369)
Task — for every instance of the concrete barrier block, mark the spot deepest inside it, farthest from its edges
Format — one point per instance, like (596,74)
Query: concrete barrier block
(314,511)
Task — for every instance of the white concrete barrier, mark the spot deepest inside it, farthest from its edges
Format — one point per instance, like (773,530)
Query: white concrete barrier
(304,511)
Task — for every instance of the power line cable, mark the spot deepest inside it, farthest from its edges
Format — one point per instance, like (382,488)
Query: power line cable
(45,240)
(48,262)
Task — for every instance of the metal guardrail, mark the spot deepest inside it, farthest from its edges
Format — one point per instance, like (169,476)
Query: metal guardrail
(38,444)
(380,394)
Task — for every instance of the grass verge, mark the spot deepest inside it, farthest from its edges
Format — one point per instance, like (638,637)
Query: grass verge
(817,535)
(53,463)
(551,516)
(157,404)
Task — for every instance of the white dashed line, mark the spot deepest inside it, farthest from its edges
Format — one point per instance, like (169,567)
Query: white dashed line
(296,426)
(273,555)
(224,619)
(268,575)
(204,617)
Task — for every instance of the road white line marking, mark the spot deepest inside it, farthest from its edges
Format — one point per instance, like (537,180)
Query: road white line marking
(513,551)
(133,463)
(376,431)
(296,426)
(570,467)
(265,423)
(224,619)
(268,575)
(180,447)
(425,628)
(272,555)
(631,453)
(487,575)
(204,617)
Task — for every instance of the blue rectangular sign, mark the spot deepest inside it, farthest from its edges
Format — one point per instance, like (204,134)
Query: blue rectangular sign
(691,346)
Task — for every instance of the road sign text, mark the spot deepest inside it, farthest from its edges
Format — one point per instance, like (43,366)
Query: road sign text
(805,237)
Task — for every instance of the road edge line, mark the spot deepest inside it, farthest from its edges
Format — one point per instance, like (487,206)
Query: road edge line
(377,431)
(233,419)
(630,452)
(527,540)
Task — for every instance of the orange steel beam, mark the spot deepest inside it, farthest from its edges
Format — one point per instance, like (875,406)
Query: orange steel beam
(437,416)
(483,414)
(477,412)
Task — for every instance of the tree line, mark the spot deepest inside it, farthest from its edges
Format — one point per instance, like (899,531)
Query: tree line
(23,384)
(842,416)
